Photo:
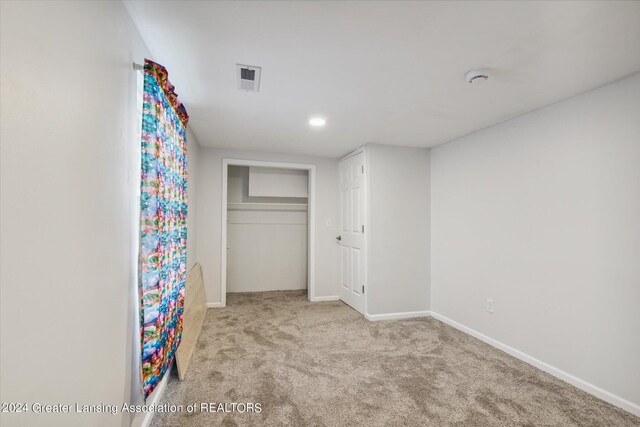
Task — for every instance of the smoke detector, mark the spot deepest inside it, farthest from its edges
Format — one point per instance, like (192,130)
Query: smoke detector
(248,77)
(477,76)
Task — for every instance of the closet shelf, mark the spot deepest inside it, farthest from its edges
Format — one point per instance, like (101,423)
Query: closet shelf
(267,206)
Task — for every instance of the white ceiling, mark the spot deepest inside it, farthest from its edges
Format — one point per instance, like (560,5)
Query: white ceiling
(381,72)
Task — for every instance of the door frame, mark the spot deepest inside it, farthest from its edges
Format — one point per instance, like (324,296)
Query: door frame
(311,220)
(365,219)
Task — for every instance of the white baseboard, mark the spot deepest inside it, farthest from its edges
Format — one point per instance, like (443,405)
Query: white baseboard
(313,299)
(155,398)
(402,315)
(558,373)
(329,298)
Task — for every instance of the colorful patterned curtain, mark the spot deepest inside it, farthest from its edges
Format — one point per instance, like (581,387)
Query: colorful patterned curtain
(163,224)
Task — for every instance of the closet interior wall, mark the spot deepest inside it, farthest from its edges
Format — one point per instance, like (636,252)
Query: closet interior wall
(267,234)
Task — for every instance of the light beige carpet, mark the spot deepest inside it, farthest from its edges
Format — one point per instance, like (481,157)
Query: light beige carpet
(323,364)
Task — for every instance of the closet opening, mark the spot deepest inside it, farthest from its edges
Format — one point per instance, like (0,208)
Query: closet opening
(268,221)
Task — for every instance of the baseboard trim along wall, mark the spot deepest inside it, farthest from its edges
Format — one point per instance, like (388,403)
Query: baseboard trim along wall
(392,316)
(327,298)
(558,373)
(314,299)
(156,396)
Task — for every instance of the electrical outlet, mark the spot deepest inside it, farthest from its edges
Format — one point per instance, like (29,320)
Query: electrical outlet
(489,305)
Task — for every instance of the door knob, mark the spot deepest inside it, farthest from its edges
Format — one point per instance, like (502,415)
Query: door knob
(339,238)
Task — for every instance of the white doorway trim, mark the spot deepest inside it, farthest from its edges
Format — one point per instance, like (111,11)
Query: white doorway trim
(311,223)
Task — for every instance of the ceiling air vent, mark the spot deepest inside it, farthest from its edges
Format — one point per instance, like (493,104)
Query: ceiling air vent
(248,77)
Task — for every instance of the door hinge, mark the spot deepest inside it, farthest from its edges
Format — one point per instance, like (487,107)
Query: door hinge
(362,168)
(363,289)
(363,228)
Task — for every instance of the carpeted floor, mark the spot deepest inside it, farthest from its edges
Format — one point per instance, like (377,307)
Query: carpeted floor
(323,364)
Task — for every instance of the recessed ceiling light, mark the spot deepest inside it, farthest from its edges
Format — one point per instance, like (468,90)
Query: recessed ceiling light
(317,122)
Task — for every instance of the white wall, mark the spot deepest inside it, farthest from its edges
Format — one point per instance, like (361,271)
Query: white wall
(238,186)
(542,214)
(274,182)
(67,224)
(398,236)
(266,256)
(209,215)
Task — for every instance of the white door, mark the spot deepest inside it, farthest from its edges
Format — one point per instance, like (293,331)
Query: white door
(352,229)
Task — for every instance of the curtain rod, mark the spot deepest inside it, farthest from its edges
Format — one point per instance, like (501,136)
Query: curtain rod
(138,67)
